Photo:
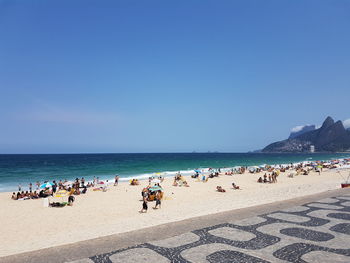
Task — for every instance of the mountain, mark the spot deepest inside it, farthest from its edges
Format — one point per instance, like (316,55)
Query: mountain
(302,130)
(330,137)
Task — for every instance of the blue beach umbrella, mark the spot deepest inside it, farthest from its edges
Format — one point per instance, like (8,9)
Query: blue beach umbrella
(155,188)
(46,185)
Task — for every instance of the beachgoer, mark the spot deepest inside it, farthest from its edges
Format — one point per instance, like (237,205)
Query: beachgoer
(220,189)
(144,193)
(236,187)
(54,187)
(265,178)
(116,179)
(19,188)
(30,186)
(158,200)
(14,196)
(260,180)
(144,206)
(71,200)
(35,195)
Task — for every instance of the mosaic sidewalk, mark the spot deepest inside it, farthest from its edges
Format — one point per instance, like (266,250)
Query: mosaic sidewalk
(313,232)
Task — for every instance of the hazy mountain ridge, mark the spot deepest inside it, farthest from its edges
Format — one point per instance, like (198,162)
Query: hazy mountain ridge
(302,130)
(330,137)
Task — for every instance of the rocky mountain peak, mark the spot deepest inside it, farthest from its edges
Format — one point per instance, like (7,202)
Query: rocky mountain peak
(327,123)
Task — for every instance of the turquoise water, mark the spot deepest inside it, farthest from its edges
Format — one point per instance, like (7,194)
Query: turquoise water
(23,169)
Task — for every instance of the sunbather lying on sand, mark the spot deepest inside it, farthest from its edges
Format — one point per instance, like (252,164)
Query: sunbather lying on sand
(235,187)
(220,189)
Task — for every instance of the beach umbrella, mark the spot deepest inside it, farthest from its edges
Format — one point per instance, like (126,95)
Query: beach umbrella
(155,188)
(46,185)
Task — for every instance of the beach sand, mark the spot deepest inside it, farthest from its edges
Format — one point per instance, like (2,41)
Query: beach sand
(27,225)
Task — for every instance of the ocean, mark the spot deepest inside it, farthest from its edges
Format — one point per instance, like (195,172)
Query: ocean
(28,168)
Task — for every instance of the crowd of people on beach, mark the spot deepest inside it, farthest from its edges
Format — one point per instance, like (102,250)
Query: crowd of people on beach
(154,191)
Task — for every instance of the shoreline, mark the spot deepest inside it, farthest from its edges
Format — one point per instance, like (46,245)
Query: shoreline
(167,174)
(99,214)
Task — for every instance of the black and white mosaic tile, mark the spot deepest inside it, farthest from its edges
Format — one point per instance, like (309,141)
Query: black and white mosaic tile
(314,232)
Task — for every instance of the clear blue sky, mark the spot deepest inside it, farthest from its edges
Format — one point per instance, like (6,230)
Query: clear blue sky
(168,76)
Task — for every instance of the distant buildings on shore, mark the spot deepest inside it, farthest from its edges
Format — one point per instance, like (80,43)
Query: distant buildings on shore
(312,148)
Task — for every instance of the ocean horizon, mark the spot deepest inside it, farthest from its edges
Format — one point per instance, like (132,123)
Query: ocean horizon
(29,168)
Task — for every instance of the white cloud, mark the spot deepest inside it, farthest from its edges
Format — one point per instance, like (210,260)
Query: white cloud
(346,123)
(297,128)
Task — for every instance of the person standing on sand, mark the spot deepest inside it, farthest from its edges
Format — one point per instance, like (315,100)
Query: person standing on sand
(158,198)
(144,206)
(116,179)
(30,187)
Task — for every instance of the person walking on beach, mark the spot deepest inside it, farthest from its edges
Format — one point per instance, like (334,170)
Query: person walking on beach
(116,179)
(144,206)
(158,198)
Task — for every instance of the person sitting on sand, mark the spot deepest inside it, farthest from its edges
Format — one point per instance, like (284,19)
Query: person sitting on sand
(134,182)
(71,200)
(35,195)
(185,184)
(260,180)
(14,196)
(220,189)
(265,178)
(195,175)
(235,187)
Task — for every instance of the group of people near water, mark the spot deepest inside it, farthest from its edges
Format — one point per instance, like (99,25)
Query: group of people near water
(155,192)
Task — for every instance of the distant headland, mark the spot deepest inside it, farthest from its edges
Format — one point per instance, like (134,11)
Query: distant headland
(330,137)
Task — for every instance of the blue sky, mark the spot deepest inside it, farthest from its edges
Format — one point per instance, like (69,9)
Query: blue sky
(168,76)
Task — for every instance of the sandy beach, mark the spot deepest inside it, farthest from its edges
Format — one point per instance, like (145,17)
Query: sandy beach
(27,225)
